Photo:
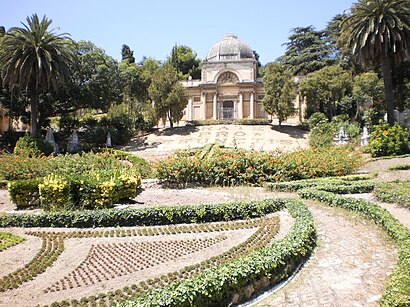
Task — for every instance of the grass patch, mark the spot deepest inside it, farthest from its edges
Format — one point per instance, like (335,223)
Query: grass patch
(400,167)
(397,192)
(8,239)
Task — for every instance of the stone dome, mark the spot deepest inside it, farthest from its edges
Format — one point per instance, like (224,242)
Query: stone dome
(229,48)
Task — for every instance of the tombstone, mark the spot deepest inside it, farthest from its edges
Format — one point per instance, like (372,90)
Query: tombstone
(73,142)
(341,137)
(50,139)
(108,141)
(364,139)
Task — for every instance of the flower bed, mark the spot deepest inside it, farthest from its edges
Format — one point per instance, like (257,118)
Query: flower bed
(228,166)
(76,182)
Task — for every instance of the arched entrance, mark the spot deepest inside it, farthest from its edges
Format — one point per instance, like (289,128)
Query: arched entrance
(227,110)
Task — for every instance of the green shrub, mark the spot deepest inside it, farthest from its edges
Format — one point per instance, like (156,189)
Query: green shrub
(397,192)
(227,166)
(316,119)
(24,192)
(386,140)
(32,146)
(80,181)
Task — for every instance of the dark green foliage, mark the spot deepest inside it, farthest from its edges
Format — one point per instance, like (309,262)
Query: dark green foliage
(386,140)
(308,50)
(32,146)
(127,54)
(24,192)
(144,217)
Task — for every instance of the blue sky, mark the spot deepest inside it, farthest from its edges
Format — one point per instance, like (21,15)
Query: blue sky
(153,27)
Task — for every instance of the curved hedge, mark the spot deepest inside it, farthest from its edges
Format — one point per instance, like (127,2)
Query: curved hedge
(237,280)
(397,292)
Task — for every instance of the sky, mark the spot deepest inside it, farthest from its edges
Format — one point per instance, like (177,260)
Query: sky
(152,27)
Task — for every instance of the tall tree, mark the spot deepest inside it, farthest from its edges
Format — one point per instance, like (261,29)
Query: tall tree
(35,60)
(324,89)
(127,55)
(308,50)
(185,61)
(167,94)
(379,32)
(279,91)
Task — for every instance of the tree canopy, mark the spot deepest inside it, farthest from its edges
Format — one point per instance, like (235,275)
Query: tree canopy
(279,91)
(185,61)
(378,33)
(35,60)
(167,94)
(325,88)
(308,50)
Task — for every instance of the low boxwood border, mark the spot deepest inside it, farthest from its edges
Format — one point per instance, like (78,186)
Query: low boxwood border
(144,217)
(330,185)
(397,292)
(237,280)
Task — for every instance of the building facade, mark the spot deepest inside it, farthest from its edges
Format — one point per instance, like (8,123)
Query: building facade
(229,87)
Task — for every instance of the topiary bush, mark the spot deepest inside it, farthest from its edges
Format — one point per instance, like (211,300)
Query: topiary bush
(386,140)
(32,146)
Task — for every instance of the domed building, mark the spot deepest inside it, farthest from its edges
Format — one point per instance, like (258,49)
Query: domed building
(229,87)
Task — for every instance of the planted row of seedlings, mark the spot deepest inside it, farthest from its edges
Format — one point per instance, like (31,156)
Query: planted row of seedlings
(52,247)
(152,231)
(268,228)
(108,261)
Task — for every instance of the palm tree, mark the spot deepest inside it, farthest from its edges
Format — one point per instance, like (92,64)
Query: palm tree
(379,33)
(34,60)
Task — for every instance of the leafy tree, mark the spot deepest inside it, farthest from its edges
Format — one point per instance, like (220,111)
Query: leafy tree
(379,32)
(35,60)
(279,91)
(185,61)
(167,94)
(325,88)
(368,92)
(127,54)
(307,51)
(401,79)
(95,81)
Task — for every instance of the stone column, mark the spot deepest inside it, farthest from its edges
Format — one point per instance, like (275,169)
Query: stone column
(240,105)
(215,106)
(190,108)
(252,106)
(203,106)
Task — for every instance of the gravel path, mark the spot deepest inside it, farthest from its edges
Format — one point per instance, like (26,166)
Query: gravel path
(349,267)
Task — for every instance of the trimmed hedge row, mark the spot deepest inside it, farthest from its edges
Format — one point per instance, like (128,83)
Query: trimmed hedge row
(237,280)
(330,185)
(144,217)
(397,292)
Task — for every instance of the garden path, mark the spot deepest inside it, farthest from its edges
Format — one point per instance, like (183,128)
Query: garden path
(349,267)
